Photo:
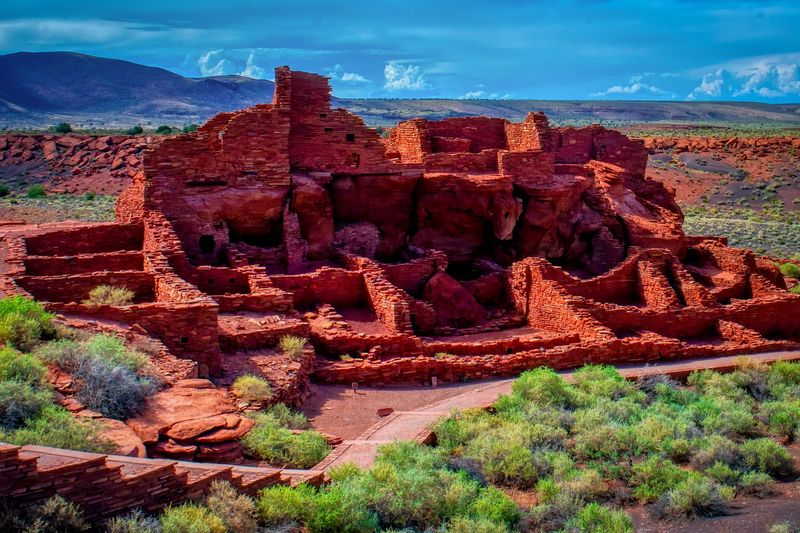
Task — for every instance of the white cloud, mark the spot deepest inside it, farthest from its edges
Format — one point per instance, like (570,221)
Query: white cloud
(635,86)
(482,95)
(212,63)
(338,73)
(250,62)
(765,76)
(710,86)
(353,77)
(401,76)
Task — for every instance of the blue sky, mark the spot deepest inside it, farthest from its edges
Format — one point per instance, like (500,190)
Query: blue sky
(556,49)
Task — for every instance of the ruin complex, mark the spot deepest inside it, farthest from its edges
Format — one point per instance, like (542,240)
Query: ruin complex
(455,249)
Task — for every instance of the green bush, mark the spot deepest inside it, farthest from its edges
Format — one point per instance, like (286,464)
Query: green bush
(595,518)
(654,477)
(189,128)
(292,346)
(164,130)
(282,505)
(757,483)
(19,402)
(23,322)
(463,524)
(61,127)
(56,427)
(190,518)
(766,455)
(5,190)
(790,270)
(543,387)
(24,368)
(108,295)
(252,388)
(237,511)
(36,191)
(696,496)
(494,505)
(89,196)
(271,442)
(134,130)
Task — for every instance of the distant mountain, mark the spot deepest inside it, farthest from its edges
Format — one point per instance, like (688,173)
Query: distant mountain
(389,111)
(37,89)
(41,89)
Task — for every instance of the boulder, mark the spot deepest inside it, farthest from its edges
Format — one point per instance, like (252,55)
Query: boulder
(454,305)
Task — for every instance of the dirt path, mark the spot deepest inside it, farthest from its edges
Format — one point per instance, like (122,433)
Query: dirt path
(336,408)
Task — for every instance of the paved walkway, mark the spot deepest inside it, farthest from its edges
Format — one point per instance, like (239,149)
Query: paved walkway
(415,425)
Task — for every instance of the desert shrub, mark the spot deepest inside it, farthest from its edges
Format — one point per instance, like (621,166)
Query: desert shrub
(237,511)
(189,128)
(5,190)
(89,196)
(164,130)
(504,455)
(134,130)
(716,449)
(344,471)
(756,483)
(56,515)
(56,427)
(783,527)
(790,270)
(543,386)
(36,191)
(655,476)
(23,322)
(722,474)
(108,295)
(596,518)
(285,417)
(134,522)
(113,390)
(269,441)
(292,346)
(782,417)
(494,505)
(463,524)
(113,350)
(252,388)
(766,455)
(602,381)
(24,368)
(107,373)
(553,514)
(190,518)
(19,402)
(62,127)
(339,508)
(696,496)
(282,505)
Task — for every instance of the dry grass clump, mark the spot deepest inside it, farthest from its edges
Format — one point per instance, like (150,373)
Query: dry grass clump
(292,345)
(109,295)
(252,388)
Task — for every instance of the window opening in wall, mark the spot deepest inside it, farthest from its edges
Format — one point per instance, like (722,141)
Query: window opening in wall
(207,244)
(350,137)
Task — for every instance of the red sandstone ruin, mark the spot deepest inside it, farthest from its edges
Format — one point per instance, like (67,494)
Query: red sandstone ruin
(460,248)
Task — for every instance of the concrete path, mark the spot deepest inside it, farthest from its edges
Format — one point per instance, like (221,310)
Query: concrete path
(415,425)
